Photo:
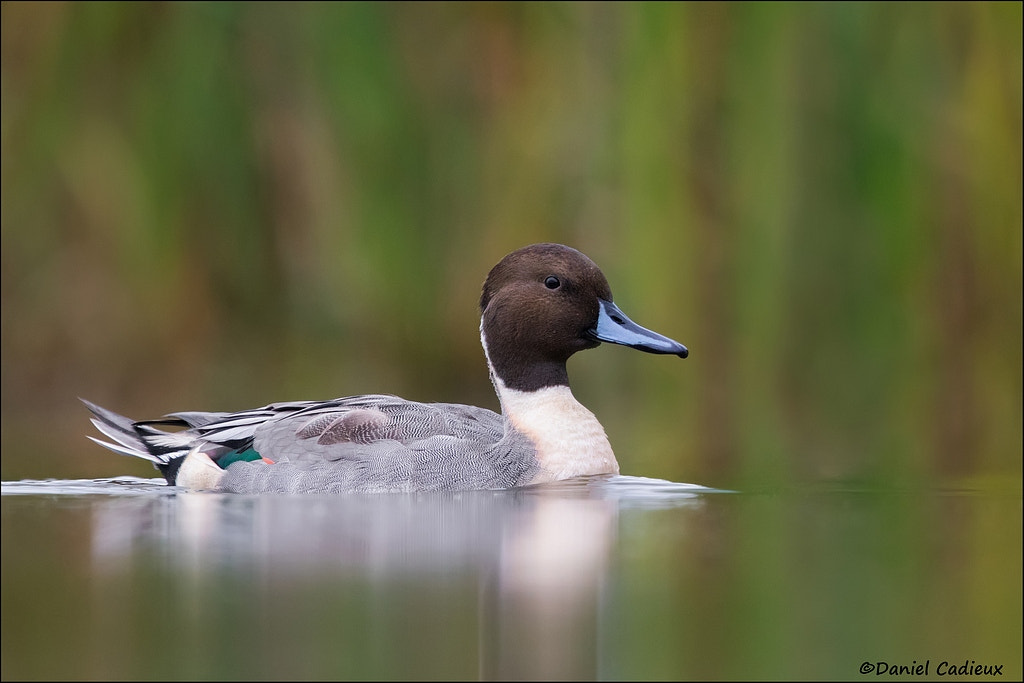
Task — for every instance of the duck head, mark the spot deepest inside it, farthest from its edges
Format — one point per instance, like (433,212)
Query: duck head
(543,303)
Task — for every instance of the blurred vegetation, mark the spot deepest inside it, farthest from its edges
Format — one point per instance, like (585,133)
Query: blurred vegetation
(219,205)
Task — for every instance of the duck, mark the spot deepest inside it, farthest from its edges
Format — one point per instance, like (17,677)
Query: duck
(539,305)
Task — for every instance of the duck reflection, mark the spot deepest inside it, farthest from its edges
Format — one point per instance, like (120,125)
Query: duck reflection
(538,556)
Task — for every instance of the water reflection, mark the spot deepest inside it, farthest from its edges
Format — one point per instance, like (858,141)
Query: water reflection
(539,556)
(608,578)
(542,538)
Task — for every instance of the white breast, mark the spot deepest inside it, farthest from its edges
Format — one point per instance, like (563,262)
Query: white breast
(570,441)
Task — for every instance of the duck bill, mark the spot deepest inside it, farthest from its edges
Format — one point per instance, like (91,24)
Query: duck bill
(613,326)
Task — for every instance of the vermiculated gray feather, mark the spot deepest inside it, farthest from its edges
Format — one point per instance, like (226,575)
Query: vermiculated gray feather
(384,443)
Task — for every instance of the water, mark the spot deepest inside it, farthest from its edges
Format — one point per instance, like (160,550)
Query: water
(611,578)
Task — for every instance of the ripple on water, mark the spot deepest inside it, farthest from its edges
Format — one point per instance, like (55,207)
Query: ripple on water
(117,486)
(626,490)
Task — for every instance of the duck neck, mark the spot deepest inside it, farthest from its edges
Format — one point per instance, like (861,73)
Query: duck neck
(567,438)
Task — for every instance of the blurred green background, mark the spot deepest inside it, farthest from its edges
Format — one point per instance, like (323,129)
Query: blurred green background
(216,206)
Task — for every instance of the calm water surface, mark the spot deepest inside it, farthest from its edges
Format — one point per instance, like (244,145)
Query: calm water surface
(611,578)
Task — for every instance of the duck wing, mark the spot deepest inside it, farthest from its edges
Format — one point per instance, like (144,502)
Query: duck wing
(384,443)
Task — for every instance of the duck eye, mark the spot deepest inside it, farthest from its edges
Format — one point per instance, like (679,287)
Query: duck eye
(552,282)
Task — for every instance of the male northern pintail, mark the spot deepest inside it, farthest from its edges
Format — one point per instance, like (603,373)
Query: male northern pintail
(539,305)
